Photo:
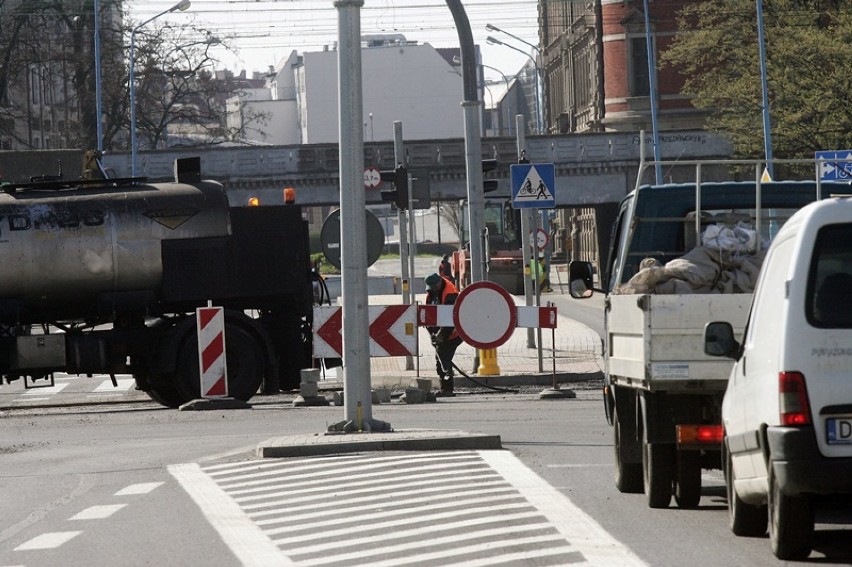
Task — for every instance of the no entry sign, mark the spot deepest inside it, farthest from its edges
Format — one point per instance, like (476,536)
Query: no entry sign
(485,315)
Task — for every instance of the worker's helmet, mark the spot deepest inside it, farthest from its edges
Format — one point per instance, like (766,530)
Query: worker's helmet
(432,281)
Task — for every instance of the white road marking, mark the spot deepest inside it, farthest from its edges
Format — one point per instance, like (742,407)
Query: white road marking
(321,484)
(141,488)
(50,540)
(489,547)
(502,532)
(311,495)
(596,545)
(98,512)
(437,518)
(123,384)
(55,389)
(369,515)
(389,537)
(426,495)
(579,466)
(465,508)
(239,533)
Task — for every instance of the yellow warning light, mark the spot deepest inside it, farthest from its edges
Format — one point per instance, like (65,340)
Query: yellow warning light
(253,202)
(289,195)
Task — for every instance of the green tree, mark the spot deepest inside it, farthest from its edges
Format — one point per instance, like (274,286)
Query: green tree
(809,72)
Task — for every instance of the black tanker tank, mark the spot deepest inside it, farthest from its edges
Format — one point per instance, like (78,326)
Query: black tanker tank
(64,248)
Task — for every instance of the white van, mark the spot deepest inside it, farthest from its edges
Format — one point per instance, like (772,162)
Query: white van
(787,410)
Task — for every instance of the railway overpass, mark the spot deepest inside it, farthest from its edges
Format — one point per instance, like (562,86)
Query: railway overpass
(591,169)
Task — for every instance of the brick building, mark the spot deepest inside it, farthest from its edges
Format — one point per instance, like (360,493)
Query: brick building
(596,79)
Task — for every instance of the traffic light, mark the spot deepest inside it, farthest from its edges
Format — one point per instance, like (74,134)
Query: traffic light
(489,185)
(398,178)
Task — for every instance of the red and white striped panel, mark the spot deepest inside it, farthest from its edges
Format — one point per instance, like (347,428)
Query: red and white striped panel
(528,317)
(211,352)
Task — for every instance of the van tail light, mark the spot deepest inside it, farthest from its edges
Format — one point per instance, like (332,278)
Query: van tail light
(699,435)
(795,408)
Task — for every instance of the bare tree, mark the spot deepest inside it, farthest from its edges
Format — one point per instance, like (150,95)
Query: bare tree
(180,100)
(47,79)
(452,211)
(46,94)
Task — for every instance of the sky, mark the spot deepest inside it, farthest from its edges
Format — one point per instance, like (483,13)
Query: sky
(265,31)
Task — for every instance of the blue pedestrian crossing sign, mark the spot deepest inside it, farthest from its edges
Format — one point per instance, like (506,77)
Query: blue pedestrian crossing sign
(838,168)
(533,185)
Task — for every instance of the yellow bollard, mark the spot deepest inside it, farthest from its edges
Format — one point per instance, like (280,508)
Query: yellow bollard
(488,362)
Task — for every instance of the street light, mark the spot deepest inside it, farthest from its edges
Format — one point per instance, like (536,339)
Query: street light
(98,105)
(505,96)
(539,78)
(180,6)
(495,41)
(457,61)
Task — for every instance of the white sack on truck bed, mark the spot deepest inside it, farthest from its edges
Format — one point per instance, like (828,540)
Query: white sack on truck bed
(723,264)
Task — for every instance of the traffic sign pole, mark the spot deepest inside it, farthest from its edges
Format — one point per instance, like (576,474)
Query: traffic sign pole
(402,222)
(520,128)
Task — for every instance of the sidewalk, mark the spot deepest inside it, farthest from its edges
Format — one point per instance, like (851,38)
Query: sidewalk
(577,357)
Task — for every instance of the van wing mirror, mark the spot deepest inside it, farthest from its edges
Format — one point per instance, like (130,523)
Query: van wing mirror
(580,279)
(719,340)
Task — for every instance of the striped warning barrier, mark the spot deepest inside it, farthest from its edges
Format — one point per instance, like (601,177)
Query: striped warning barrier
(211,352)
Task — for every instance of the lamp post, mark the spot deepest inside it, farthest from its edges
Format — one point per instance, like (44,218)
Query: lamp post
(652,83)
(539,78)
(98,108)
(505,97)
(495,41)
(180,6)
(457,61)
(767,131)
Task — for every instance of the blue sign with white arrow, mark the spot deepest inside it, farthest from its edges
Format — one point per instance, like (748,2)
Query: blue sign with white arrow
(837,165)
(533,185)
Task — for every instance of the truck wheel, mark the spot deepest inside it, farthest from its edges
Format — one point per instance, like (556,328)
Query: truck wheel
(658,468)
(746,520)
(245,365)
(628,476)
(166,394)
(791,522)
(687,491)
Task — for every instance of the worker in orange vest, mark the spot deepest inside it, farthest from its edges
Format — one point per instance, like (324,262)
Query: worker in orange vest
(442,291)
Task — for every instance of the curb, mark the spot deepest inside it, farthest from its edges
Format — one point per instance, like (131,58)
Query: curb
(402,440)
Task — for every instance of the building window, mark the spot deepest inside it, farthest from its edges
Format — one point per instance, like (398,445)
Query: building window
(640,84)
(34,86)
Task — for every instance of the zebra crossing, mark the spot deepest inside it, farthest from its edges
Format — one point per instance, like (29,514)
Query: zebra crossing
(387,509)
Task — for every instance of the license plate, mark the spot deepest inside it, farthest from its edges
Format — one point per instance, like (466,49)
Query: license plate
(839,430)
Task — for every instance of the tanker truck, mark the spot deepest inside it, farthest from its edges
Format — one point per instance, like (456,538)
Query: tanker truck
(103,276)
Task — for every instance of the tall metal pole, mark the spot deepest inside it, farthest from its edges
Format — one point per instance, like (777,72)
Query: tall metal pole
(182,5)
(357,397)
(407,294)
(472,139)
(652,80)
(526,221)
(98,87)
(767,133)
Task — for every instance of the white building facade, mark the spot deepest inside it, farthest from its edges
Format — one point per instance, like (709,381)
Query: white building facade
(413,83)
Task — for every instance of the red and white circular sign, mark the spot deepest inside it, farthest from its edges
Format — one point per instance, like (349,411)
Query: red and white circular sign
(485,315)
(372,177)
(540,239)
